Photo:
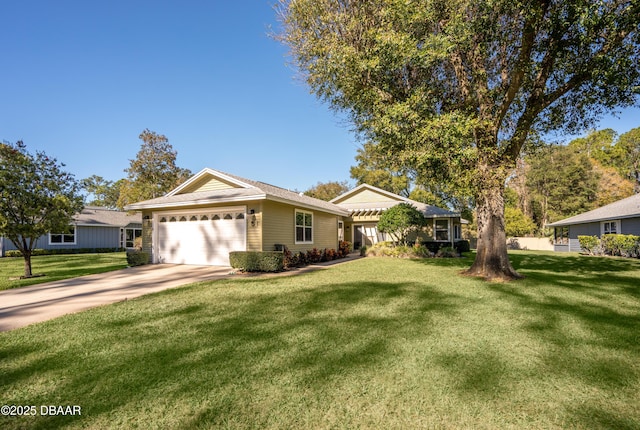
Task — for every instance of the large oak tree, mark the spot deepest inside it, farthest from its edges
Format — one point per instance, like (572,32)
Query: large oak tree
(454,88)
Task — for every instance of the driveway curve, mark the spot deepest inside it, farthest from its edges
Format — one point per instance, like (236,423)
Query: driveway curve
(23,306)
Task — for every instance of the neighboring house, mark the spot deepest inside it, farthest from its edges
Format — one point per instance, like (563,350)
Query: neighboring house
(621,217)
(214,213)
(92,228)
(366,203)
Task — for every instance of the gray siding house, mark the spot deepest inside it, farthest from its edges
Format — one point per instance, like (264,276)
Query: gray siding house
(621,217)
(92,228)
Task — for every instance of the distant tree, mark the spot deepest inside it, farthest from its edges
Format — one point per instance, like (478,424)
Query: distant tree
(401,220)
(625,156)
(561,182)
(153,172)
(380,170)
(596,145)
(455,88)
(611,185)
(36,197)
(517,223)
(327,190)
(103,193)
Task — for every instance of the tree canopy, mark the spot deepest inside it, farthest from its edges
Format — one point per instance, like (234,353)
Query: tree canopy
(401,220)
(153,172)
(327,190)
(456,88)
(103,193)
(36,197)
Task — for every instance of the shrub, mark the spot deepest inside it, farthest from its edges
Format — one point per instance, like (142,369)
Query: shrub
(344,248)
(314,256)
(589,244)
(624,245)
(401,220)
(137,258)
(387,249)
(329,254)
(462,246)
(257,261)
(447,252)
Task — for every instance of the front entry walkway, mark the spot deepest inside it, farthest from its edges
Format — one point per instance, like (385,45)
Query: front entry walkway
(23,306)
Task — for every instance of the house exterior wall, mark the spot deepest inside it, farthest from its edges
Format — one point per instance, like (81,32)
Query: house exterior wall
(630,226)
(86,237)
(255,227)
(278,221)
(627,226)
(208,184)
(367,196)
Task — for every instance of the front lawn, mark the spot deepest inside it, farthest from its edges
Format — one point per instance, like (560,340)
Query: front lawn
(56,267)
(373,343)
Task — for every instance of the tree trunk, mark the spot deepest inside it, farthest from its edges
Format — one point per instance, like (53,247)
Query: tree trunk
(492,261)
(27,264)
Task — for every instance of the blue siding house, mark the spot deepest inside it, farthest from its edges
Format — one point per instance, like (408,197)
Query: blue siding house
(92,228)
(621,217)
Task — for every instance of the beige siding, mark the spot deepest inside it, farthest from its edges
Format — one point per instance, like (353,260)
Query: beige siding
(279,228)
(368,196)
(208,184)
(254,232)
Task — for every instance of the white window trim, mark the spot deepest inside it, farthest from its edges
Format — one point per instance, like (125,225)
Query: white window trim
(75,232)
(618,226)
(124,236)
(295,227)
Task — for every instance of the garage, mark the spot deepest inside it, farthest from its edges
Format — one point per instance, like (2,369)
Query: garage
(200,237)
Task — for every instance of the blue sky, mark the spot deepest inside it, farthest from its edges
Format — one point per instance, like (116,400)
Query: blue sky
(81,79)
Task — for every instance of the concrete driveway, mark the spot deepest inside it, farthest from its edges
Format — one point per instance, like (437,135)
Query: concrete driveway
(23,306)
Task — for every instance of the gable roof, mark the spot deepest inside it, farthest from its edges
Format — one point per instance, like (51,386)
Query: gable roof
(386,200)
(98,216)
(238,189)
(625,208)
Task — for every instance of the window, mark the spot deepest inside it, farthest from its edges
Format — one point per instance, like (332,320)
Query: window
(561,235)
(442,229)
(304,227)
(340,231)
(66,238)
(130,236)
(609,227)
(457,231)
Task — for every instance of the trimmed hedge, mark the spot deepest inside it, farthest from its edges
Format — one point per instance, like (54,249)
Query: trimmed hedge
(16,253)
(257,261)
(137,258)
(622,245)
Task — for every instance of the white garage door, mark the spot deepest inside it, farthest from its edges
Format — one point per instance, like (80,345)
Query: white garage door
(204,237)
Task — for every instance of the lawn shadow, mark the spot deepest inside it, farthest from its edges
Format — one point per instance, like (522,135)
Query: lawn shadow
(306,337)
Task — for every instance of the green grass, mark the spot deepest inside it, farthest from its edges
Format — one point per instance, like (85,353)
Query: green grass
(374,343)
(56,267)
